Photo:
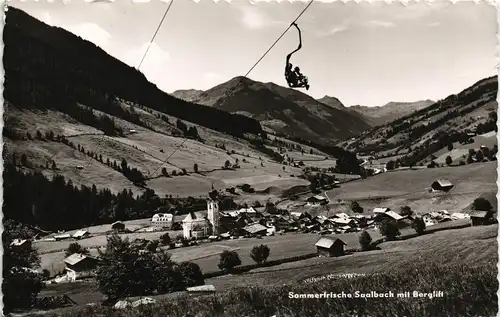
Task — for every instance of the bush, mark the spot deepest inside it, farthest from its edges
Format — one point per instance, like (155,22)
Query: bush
(448,160)
(260,253)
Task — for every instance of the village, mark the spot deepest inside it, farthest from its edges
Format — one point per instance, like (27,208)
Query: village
(210,225)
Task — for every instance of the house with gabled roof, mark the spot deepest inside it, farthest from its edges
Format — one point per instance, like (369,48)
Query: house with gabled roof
(442,185)
(329,247)
(80,265)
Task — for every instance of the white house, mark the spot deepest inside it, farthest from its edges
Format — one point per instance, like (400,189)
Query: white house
(162,220)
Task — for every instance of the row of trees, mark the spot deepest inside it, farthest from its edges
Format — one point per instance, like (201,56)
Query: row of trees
(57,203)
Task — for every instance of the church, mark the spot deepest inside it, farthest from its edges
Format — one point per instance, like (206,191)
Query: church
(197,226)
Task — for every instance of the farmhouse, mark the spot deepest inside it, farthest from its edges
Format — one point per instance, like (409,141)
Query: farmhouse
(316,200)
(79,266)
(80,234)
(162,220)
(118,225)
(62,237)
(381,210)
(330,247)
(255,229)
(442,185)
(480,217)
(20,244)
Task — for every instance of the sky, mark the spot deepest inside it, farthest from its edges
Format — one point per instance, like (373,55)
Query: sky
(362,53)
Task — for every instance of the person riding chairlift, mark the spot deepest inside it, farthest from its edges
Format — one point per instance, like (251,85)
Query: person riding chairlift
(294,77)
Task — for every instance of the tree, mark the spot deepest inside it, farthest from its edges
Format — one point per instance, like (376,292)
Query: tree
(313,186)
(228,260)
(191,274)
(419,225)
(20,285)
(123,271)
(356,208)
(390,165)
(24,160)
(195,168)
(152,245)
(260,253)
(227,164)
(75,247)
(165,239)
(406,211)
(164,171)
(479,156)
(482,204)
(448,160)
(389,230)
(365,240)
(450,146)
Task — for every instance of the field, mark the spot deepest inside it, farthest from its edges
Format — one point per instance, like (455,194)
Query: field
(472,246)
(472,178)
(461,151)
(146,150)
(469,245)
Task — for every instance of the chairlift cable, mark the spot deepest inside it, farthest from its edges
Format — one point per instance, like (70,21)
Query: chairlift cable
(235,86)
(142,60)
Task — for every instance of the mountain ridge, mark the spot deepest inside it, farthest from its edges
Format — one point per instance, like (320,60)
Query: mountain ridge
(281,109)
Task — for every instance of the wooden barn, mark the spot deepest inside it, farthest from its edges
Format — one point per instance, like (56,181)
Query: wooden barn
(80,265)
(480,217)
(442,185)
(330,247)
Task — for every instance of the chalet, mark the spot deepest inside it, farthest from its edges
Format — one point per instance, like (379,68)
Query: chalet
(62,237)
(300,214)
(330,247)
(79,266)
(81,234)
(480,217)
(343,221)
(20,244)
(442,185)
(316,200)
(459,215)
(381,210)
(118,226)
(390,215)
(162,220)
(255,229)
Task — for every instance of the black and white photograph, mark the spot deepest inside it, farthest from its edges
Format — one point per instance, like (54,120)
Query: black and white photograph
(299,158)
